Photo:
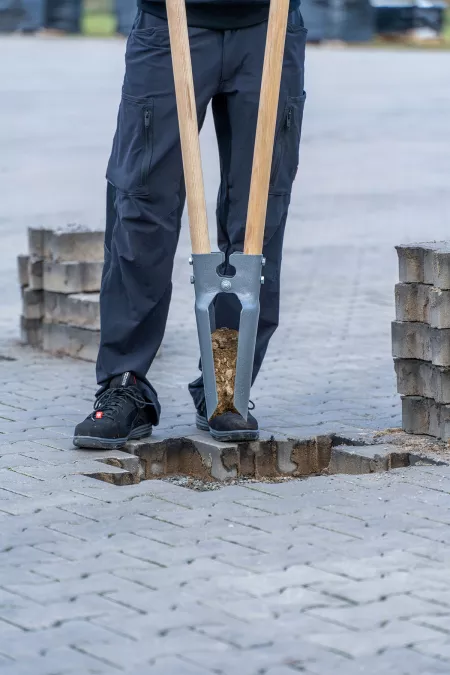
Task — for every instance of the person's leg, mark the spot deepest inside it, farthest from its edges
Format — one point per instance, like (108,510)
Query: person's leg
(235,112)
(145,198)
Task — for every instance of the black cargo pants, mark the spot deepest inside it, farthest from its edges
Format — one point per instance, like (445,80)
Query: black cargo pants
(145,196)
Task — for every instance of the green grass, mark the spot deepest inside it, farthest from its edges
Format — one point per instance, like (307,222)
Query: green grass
(447,27)
(99,24)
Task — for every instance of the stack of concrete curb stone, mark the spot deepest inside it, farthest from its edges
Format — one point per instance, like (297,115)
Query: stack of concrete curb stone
(60,281)
(421,338)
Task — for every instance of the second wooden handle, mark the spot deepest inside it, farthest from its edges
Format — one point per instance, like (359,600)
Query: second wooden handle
(188,124)
(265,130)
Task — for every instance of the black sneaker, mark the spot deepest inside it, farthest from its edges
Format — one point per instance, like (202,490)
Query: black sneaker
(229,426)
(120,414)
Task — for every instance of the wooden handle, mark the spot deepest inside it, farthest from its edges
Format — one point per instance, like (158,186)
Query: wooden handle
(188,124)
(265,130)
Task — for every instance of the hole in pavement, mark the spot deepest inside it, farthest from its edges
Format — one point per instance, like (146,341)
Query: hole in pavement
(202,464)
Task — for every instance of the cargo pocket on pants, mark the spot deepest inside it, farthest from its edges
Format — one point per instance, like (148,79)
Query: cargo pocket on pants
(131,156)
(287,146)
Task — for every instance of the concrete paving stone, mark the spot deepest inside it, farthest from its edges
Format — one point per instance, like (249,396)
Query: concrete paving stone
(253,609)
(174,665)
(22,269)
(435,554)
(141,599)
(161,618)
(164,555)
(40,668)
(438,534)
(417,378)
(72,277)
(280,670)
(32,304)
(34,434)
(367,617)
(383,545)
(438,594)
(214,528)
(439,482)
(394,634)
(76,243)
(404,661)
(38,238)
(412,302)
(27,507)
(36,274)
(86,531)
(425,417)
(371,568)
(128,655)
(13,460)
(254,661)
(48,592)
(93,505)
(439,619)
(57,660)
(4,661)
(160,600)
(34,618)
(177,575)
(271,524)
(73,570)
(75,341)
(244,608)
(439,308)
(31,332)
(375,590)
(10,600)
(32,555)
(439,649)
(413,340)
(272,582)
(76,551)
(292,649)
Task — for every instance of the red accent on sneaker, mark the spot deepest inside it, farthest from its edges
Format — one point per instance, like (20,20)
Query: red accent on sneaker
(98,415)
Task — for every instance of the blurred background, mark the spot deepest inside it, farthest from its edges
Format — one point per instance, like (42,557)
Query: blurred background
(342,20)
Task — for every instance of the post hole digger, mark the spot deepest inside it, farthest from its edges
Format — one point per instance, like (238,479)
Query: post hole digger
(219,378)
(234,55)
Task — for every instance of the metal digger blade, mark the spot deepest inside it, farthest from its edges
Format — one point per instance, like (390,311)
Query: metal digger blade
(246,285)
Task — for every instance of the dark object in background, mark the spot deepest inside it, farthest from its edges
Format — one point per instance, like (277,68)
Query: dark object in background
(33,19)
(345,20)
(11,13)
(398,19)
(126,14)
(64,15)
(314,14)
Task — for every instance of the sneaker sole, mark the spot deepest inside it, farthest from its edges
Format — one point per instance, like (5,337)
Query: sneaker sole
(226,436)
(97,443)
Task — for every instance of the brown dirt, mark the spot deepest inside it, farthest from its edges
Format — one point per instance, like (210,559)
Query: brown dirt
(421,445)
(225,345)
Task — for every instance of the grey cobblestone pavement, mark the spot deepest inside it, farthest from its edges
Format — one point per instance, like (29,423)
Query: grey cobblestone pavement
(340,574)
